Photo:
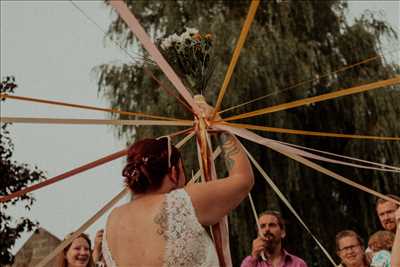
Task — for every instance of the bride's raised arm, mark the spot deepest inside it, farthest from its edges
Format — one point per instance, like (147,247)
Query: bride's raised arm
(215,199)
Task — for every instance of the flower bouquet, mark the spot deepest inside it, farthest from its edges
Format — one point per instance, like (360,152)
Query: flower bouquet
(190,54)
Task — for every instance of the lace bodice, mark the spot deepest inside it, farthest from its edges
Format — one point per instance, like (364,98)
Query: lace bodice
(187,243)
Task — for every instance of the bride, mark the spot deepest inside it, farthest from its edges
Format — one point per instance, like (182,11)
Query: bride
(163,225)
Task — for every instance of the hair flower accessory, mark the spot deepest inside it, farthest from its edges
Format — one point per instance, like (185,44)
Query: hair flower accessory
(145,160)
(131,172)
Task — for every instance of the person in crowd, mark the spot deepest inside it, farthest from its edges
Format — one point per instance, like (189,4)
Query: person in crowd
(385,210)
(395,259)
(350,249)
(76,254)
(97,254)
(163,224)
(380,245)
(267,248)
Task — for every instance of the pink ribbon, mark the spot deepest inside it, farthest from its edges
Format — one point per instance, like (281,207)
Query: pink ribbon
(140,33)
(277,145)
(296,154)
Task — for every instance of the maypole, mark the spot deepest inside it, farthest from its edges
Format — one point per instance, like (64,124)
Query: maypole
(201,125)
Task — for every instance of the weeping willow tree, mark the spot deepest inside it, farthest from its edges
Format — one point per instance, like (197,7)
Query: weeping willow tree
(289,42)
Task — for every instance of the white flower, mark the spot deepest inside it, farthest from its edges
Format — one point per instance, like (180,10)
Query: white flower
(192,30)
(185,35)
(189,32)
(178,39)
(174,38)
(165,44)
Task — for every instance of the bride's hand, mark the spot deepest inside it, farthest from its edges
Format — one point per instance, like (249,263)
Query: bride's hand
(208,111)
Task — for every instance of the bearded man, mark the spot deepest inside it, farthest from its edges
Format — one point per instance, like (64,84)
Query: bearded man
(386,213)
(267,250)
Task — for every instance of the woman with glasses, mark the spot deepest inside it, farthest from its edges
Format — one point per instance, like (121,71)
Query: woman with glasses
(163,224)
(350,249)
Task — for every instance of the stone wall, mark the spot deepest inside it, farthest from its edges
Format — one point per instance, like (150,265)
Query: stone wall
(38,246)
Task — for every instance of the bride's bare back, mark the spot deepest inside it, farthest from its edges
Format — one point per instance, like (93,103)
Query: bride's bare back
(137,232)
(166,235)
(163,226)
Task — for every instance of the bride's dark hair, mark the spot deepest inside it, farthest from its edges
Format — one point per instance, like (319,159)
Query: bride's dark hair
(148,161)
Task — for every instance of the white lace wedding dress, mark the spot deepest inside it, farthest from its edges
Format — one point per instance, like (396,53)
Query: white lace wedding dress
(187,243)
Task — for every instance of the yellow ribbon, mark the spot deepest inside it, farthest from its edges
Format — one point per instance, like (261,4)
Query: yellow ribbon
(315,99)
(59,103)
(95,121)
(302,83)
(245,30)
(312,133)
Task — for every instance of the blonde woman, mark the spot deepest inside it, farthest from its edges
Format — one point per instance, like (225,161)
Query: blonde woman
(77,253)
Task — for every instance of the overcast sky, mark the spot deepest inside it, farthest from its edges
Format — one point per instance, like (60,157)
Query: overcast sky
(51,49)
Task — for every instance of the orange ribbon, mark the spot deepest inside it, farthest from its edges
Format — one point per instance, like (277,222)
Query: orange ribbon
(315,99)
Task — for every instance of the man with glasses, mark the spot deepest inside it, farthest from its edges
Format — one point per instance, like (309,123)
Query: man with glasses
(267,249)
(386,210)
(350,249)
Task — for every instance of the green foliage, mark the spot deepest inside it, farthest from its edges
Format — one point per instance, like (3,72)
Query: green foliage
(289,42)
(14,177)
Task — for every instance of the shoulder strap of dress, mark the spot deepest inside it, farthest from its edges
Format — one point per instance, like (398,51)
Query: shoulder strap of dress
(183,230)
(179,205)
(178,194)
